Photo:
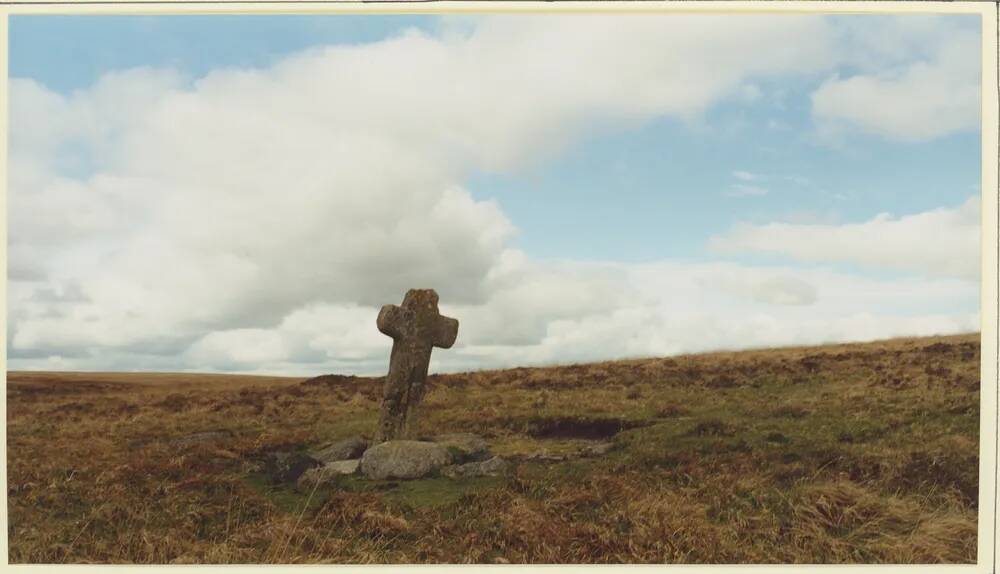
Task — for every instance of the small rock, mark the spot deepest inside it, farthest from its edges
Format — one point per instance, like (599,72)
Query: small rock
(321,475)
(491,467)
(287,466)
(343,466)
(598,449)
(464,446)
(403,459)
(346,449)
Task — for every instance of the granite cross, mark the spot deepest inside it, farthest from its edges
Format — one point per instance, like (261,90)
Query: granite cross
(415,327)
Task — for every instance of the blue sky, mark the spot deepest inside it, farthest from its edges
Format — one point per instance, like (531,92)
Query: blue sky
(705,181)
(70,52)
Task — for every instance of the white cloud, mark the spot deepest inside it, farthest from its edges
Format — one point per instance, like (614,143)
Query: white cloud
(255,219)
(932,92)
(583,312)
(785,291)
(239,346)
(318,334)
(941,242)
(676,307)
(333,176)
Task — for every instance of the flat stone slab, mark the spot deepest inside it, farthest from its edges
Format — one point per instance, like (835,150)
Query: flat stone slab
(404,459)
(325,474)
(347,449)
(492,467)
(463,445)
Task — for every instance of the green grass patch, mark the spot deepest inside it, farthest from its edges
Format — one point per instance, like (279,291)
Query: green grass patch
(284,497)
(438,492)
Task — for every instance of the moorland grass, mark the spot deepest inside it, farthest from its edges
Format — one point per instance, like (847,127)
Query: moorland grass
(862,453)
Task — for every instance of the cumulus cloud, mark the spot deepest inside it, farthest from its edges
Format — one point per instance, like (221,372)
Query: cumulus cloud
(333,176)
(785,291)
(670,307)
(255,219)
(677,307)
(317,334)
(583,312)
(931,92)
(940,242)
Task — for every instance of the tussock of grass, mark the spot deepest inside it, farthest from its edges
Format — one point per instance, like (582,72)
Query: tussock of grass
(836,454)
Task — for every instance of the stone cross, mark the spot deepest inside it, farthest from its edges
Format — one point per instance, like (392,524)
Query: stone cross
(415,327)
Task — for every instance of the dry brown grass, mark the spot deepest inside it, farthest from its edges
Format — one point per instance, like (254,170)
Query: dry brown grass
(836,454)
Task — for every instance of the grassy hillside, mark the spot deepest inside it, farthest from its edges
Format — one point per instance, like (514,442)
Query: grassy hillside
(846,453)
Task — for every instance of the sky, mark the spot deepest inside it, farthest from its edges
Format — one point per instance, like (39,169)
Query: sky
(243,193)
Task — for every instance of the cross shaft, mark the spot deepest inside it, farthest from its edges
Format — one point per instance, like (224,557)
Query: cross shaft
(416,328)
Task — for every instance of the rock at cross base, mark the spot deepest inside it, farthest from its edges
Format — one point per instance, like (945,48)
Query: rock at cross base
(403,459)
(416,328)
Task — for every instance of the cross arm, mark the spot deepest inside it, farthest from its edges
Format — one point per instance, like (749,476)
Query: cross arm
(389,320)
(445,332)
